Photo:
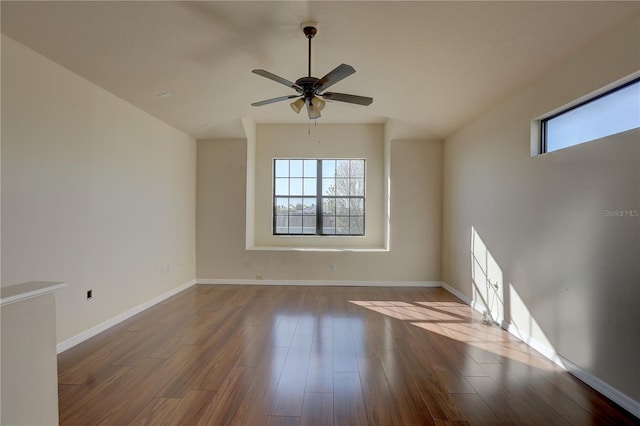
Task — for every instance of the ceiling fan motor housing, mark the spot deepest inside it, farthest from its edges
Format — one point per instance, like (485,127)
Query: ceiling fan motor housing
(308,85)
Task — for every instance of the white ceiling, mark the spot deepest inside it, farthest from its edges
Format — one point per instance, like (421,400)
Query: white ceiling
(432,66)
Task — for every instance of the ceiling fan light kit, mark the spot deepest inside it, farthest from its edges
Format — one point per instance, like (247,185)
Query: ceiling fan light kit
(311,89)
(297,105)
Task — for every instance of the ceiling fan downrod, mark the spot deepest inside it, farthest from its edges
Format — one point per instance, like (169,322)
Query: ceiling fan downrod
(310,31)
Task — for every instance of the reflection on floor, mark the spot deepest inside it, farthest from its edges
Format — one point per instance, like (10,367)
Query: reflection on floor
(262,355)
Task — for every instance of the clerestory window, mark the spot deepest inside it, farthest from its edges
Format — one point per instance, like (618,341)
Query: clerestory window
(609,113)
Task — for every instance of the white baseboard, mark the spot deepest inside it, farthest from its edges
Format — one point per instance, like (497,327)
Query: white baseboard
(545,350)
(458,294)
(81,337)
(475,305)
(604,388)
(335,283)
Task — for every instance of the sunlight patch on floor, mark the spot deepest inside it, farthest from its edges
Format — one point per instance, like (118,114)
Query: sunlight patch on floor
(459,322)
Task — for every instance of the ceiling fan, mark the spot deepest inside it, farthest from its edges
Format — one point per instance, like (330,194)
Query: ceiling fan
(311,89)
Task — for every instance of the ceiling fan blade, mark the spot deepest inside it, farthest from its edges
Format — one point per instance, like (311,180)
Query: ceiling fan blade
(334,76)
(278,79)
(343,97)
(270,101)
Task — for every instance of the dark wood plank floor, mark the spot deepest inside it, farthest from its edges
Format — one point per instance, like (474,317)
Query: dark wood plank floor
(278,355)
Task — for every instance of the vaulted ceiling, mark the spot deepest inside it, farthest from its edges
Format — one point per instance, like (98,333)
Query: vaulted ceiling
(431,66)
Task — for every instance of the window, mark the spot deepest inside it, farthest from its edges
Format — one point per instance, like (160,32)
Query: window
(615,111)
(301,185)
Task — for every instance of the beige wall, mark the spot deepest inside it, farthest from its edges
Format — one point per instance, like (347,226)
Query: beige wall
(95,192)
(29,375)
(414,253)
(567,272)
(325,141)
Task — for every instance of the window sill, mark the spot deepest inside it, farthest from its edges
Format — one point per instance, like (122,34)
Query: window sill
(318,249)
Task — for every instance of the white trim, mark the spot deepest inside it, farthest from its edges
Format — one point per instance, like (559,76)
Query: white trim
(317,249)
(604,388)
(459,295)
(599,385)
(18,292)
(545,350)
(341,283)
(87,334)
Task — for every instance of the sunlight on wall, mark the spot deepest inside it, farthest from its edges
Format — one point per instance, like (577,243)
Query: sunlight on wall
(501,306)
(524,326)
(486,276)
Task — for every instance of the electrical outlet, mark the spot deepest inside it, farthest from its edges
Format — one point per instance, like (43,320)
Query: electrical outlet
(334,267)
(259,277)
(89,294)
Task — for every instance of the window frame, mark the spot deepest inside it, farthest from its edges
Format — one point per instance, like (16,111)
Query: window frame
(319,199)
(543,146)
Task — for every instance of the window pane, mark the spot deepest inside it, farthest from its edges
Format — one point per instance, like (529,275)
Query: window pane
(295,168)
(282,224)
(295,186)
(329,206)
(282,168)
(342,225)
(356,187)
(328,225)
(357,224)
(282,186)
(614,113)
(342,168)
(357,207)
(310,168)
(295,224)
(295,205)
(310,186)
(342,186)
(309,207)
(308,224)
(282,204)
(329,186)
(356,168)
(342,206)
(328,168)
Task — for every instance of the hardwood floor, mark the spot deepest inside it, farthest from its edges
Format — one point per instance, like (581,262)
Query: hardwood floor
(277,355)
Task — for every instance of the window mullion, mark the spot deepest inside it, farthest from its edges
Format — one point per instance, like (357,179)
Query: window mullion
(319,198)
(289,197)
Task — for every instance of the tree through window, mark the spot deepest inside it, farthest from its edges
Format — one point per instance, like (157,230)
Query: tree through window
(319,197)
